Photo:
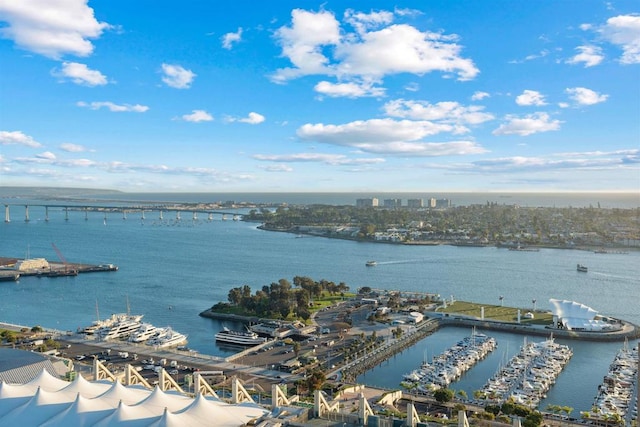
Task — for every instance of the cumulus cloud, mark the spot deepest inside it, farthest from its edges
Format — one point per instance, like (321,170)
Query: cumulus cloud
(530,97)
(330,159)
(252,119)
(349,90)
(446,112)
(72,148)
(229,39)
(51,28)
(479,96)
(116,108)
(588,55)
(624,32)
(18,138)
(197,116)
(527,125)
(177,77)
(47,155)
(80,74)
(584,96)
(316,44)
(395,137)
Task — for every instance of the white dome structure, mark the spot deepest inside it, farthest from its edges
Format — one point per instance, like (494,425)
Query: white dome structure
(574,316)
(49,401)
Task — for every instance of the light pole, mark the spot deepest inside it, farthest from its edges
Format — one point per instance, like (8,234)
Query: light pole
(501,298)
(534,304)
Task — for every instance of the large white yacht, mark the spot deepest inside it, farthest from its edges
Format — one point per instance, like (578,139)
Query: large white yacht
(167,337)
(144,332)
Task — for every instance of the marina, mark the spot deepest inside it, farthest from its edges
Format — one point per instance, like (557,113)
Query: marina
(615,398)
(529,375)
(450,365)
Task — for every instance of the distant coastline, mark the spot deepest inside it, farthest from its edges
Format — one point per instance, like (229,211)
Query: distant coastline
(624,200)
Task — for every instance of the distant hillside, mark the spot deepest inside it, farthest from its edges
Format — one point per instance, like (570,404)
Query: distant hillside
(52,192)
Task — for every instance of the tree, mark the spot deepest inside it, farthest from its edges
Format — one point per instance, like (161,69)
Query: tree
(462,394)
(443,395)
(296,348)
(315,380)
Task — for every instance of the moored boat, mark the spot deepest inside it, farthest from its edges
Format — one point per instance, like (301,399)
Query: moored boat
(166,338)
(238,337)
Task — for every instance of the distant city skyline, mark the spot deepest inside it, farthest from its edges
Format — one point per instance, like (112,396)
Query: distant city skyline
(442,96)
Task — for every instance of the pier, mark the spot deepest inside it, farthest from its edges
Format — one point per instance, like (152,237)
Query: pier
(10,268)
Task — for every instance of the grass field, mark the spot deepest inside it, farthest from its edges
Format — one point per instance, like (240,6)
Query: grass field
(496,312)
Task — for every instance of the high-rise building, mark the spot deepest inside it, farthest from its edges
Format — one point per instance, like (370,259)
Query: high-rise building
(367,203)
(392,203)
(415,203)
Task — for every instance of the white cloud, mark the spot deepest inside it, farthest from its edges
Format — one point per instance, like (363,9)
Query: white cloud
(230,38)
(479,96)
(330,159)
(395,137)
(116,108)
(366,54)
(277,168)
(18,138)
(366,21)
(589,55)
(584,96)
(527,125)
(72,148)
(51,28)
(624,31)
(446,112)
(197,116)
(252,119)
(530,97)
(80,74)
(177,77)
(47,155)
(302,43)
(563,104)
(349,90)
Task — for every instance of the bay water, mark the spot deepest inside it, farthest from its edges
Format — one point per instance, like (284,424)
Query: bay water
(170,271)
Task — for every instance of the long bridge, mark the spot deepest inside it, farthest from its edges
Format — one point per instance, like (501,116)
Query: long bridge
(124,210)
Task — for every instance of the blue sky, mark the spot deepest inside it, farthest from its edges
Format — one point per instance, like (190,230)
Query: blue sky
(279,96)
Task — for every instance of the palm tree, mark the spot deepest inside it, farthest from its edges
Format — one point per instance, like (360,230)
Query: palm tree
(501,298)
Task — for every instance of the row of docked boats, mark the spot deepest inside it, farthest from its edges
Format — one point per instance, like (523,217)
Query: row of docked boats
(130,327)
(451,364)
(615,394)
(529,374)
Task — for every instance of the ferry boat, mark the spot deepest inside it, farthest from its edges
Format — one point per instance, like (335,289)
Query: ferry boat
(237,337)
(166,338)
(371,263)
(582,268)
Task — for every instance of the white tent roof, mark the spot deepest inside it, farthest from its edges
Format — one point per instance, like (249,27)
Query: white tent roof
(82,412)
(47,382)
(86,388)
(574,315)
(80,404)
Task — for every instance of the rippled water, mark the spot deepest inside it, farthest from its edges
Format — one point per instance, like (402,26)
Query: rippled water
(171,271)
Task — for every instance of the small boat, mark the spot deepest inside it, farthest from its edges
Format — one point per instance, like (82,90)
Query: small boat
(582,268)
(371,263)
(237,337)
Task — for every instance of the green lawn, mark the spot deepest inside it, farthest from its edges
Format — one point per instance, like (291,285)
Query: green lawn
(496,312)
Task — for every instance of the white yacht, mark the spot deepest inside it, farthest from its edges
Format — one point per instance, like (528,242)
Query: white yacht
(167,337)
(122,328)
(144,332)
